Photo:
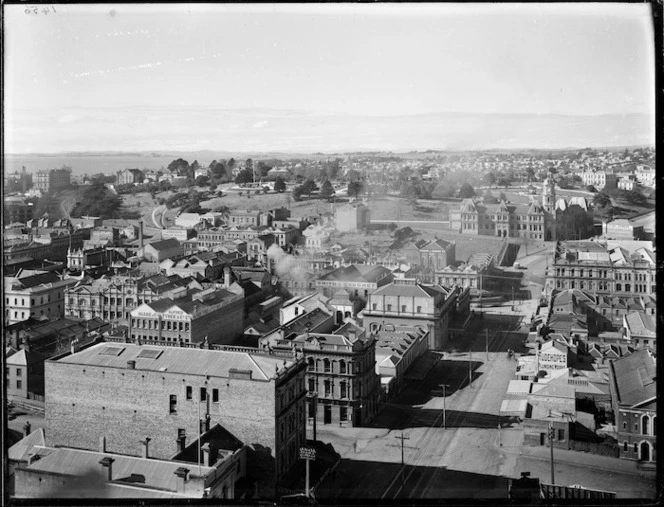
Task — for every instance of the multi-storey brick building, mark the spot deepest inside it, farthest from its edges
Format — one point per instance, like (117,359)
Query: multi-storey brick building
(16,210)
(112,299)
(606,267)
(358,280)
(406,302)
(123,393)
(547,221)
(342,382)
(52,180)
(212,316)
(37,295)
(634,398)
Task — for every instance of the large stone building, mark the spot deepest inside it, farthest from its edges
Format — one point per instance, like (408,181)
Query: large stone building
(52,180)
(112,299)
(605,267)
(129,176)
(406,302)
(634,398)
(352,217)
(40,295)
(209,316)
(550,220)
(359,280)
(342,383)
(121,393)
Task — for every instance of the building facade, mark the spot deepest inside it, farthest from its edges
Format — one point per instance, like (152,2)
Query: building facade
(123,393)
(52,180)
(40,295)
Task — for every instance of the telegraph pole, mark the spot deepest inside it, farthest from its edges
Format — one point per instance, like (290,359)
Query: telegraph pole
(402,438)
(470,368)
(444,396)
(551,434)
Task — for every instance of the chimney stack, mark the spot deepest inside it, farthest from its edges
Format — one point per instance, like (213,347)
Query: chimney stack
(140,236)
(27,429)
(209,455)
(107,463)
(146,443)
(227,276)
(181,442)
(131,365)
(182,473)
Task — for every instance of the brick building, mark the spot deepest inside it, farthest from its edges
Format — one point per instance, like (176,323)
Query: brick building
(52,180)
(634,397)
(212,316)
(36,295)
(622,268)
(124,393)
(359,280)
(406,302)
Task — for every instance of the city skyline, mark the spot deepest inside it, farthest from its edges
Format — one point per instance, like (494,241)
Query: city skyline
(369,77)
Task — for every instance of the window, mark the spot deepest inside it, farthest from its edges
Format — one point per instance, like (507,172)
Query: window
(172,406)
(403,308)
(389,308)
(312,385)
(625,446)
(19,384)
(636,448)
(190,393)
(343,413)
(342,366)
(374,306)
(644,424)
(18,372)
(328,388)
(342,389)
(203,394)
(419,309)
(215,395)
(310,363)
(561,434)
(326,365)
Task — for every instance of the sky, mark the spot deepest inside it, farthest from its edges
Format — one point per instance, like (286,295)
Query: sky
(313,77)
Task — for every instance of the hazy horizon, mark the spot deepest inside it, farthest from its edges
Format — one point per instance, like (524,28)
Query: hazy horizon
(327,78)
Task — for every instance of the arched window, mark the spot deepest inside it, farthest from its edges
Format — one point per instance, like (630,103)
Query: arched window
(326,365)
(636,448)
(310,363)
(342,366)
(342,389)
(625,446)
(644,424)
(654,425)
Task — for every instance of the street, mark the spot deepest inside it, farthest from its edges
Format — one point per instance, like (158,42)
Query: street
(464,454)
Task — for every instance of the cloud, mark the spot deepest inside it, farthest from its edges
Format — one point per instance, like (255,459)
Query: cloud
(261,124)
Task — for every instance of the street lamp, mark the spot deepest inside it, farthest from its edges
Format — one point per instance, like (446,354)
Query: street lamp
(444,386)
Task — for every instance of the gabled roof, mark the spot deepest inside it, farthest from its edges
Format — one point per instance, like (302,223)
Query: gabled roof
(165,244)
(640,324)
(634,377)
(22,449)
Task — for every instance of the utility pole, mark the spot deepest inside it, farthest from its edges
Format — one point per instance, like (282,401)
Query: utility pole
(551,434)
(444,386)
(470,368)
(402,438)
(487,345)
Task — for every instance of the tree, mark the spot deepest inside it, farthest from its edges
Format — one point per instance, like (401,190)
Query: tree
(410,192)
(634,196)
(279,185)
(466,191)
(591,188)
(530,172)
(355,188)
(244,176)
(489,179)
(308,187)
(489,198)
(353,175)
(601,200)
(297,193)
(202,181)
(218,169)
(327,191)
(179,166)
(262,169)
(249,164)
(502,197)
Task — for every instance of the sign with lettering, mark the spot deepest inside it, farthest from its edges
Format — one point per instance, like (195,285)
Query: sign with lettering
(175,314)
(308,453)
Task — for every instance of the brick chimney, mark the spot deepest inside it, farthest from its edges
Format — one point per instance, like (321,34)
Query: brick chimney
(181,442)
(227,276)
(27,429)
(208,460)
(107,463)
(131,365)
(182,474)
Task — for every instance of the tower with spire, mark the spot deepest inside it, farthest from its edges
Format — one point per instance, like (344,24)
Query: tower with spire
(549,194)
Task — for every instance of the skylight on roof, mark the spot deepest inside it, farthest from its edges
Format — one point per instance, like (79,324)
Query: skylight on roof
(111,351)
(149,353)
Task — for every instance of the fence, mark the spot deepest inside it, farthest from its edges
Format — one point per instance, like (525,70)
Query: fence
(550,491)
(600,448)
